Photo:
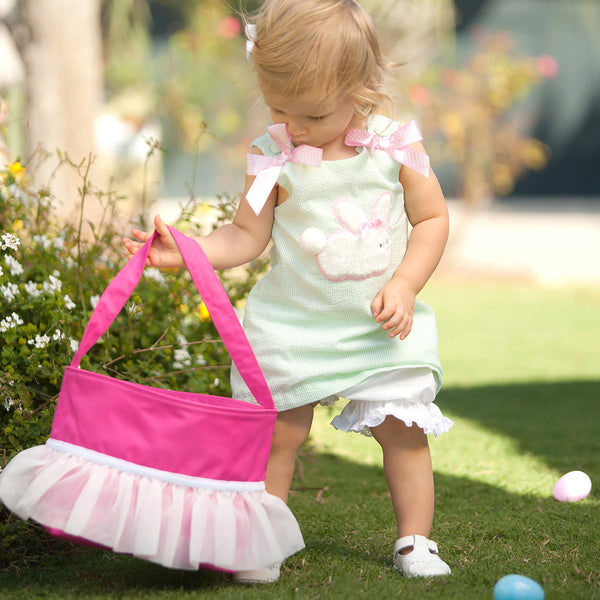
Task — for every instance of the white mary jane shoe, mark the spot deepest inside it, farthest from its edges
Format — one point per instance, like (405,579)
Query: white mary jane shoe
(422,561)
(268,574)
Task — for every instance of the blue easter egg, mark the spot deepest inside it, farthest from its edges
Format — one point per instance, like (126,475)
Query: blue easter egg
(518,587)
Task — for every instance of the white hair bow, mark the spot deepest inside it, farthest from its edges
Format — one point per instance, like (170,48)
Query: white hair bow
(250,31)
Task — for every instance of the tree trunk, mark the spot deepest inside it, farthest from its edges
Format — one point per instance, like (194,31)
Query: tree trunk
(63,57)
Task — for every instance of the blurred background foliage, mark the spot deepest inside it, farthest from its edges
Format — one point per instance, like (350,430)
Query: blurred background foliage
(474,100)
(175,71)
(470,118)
(181,66)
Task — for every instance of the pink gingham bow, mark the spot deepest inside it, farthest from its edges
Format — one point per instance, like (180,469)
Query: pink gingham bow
(396,145)
(267,168)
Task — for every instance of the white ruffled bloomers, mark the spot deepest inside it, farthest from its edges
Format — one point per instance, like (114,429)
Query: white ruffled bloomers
(173,520)
(360,416)
(407,394)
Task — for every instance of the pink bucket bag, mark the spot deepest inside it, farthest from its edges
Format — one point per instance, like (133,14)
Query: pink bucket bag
(172,477)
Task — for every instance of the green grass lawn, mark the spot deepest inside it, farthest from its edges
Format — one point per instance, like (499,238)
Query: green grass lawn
(522,385)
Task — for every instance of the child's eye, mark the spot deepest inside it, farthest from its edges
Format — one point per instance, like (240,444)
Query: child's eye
(319,118)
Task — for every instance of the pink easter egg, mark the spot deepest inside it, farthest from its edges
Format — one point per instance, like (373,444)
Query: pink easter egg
(572,486)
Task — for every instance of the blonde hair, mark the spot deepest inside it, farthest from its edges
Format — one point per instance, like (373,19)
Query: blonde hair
(325,47)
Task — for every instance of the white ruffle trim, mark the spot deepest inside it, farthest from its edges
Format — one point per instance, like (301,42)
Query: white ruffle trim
(173,525)
(360,416)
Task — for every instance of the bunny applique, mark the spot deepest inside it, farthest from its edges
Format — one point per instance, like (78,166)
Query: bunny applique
(361,250)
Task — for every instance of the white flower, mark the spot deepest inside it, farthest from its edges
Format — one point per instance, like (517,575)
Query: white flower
(58,336)
(8,403)
(14,265)
(40,341)
(182,356)
(74,344)
(1,272)
(10,322)
(69,304)
(94,301)
(9,241)
(59,242)
(53,284)
(132,307)
(17,193)
(31,287)
(9,291)
(43,241)
(154,274)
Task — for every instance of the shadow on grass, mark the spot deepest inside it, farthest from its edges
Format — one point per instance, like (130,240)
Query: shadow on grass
(483,532)
(344,510)
(345,514)
(559,422)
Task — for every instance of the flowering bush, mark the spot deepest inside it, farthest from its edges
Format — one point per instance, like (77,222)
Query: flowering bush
(51,278)
(471,109)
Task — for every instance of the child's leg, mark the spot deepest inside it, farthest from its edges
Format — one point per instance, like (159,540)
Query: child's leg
(409,474)
(291,431)
(408,471)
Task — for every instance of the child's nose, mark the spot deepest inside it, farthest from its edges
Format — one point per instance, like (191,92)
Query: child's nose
(296,127)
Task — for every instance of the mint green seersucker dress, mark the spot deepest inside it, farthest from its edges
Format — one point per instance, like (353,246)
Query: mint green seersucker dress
(337,240)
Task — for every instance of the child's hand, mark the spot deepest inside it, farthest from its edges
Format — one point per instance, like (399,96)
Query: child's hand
(394,306)
(164,252)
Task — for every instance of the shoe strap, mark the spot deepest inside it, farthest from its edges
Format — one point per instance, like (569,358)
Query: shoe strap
(415,540)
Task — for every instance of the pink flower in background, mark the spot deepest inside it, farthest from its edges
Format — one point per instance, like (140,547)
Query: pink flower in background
(450,78)
(230,27)
(479,33)
(547,66)
(420,95)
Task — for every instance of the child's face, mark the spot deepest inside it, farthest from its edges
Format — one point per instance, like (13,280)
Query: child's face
(322,124)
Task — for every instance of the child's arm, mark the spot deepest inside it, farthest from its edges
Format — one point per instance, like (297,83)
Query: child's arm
(229,246)
(427,212)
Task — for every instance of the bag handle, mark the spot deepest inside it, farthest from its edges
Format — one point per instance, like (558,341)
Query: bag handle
(221,311)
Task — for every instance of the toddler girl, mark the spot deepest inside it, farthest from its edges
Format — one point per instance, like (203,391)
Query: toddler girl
(335,185)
